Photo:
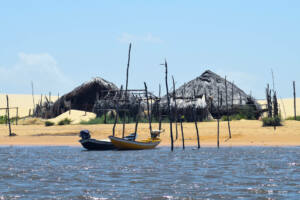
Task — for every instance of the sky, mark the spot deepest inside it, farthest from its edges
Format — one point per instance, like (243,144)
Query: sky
(59,44)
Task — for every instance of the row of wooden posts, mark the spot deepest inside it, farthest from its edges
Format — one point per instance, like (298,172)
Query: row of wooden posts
(194,113)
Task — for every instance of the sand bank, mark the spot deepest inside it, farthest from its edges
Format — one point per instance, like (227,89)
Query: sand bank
(244,133)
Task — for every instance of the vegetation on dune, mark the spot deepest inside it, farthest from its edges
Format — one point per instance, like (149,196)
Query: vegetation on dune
(248,112)
(3,119)
(64,122)
(49,123)
(272,121)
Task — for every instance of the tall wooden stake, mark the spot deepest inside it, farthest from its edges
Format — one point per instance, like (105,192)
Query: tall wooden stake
(8,119)
(126,88)
(227,110)
(148,108)
(17,115)
(294,88)
(218,120)
(182,134)
(159,110)
(169,107)
(137,118)
(195,120)
(174,98)
(117,110)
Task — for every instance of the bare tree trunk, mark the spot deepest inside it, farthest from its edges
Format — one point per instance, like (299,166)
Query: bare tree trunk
(169,108)
(174,98)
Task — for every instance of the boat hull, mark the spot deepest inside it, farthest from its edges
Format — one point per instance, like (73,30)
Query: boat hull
(96,145)
(122,144)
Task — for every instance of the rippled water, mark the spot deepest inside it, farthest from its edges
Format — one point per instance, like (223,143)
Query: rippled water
(208,173)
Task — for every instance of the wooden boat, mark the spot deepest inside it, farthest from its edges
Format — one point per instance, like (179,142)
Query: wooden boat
(123,144)
(99,145)
(94,145)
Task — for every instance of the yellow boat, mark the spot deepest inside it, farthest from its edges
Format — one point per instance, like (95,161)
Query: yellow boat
(123,144)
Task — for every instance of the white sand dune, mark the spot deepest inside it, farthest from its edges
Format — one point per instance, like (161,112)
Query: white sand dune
(24,102)
(286,106)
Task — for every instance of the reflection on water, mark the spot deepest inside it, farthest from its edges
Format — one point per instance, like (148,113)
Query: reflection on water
(208,173)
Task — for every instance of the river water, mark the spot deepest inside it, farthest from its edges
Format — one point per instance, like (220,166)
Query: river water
(208,173)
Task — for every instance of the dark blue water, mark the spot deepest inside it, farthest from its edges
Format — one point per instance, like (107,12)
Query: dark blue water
(227,173)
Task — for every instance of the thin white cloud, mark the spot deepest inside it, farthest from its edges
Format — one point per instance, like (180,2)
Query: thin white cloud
(42,69)
(150,38)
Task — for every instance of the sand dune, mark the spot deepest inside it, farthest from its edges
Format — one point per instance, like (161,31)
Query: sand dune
(286,106)
(23,101)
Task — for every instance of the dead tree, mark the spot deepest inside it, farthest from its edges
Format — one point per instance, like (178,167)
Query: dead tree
(227,110)
(169,107)
(175,107)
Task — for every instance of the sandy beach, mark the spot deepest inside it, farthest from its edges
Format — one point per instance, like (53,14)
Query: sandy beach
(244,133)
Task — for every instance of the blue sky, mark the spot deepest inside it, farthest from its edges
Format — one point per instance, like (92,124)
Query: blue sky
(60,44)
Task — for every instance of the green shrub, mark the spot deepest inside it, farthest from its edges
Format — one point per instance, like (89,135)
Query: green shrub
(293,118)
(64,121)
(49,123)
(271,121)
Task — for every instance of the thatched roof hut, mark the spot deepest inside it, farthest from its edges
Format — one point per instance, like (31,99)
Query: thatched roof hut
(82,97)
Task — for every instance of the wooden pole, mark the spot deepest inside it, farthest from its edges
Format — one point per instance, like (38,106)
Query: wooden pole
(137,118)
(126,88)
(174,98)
(218,120)
(127,71)
(9,127)
(117,110)
(227,109)
(195,120)
(294,88)
(159,110)
(169,107)
(17,115)
(182,134)
(148,108)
